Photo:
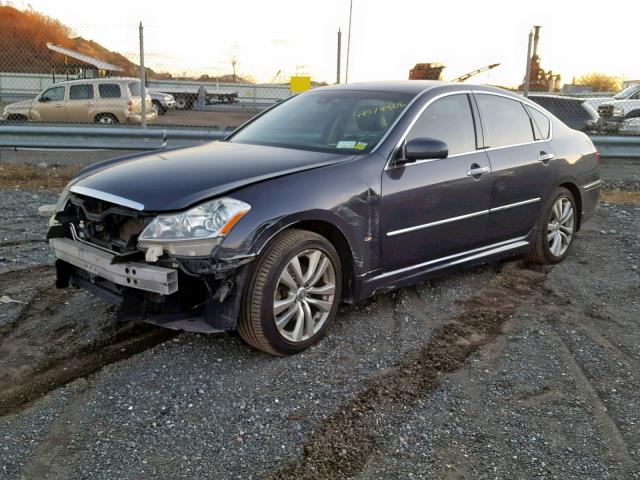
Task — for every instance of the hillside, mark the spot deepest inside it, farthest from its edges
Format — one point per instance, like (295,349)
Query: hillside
(24,36)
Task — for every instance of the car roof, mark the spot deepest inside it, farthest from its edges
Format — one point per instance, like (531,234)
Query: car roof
(416,87)
(555,98)
(91,80)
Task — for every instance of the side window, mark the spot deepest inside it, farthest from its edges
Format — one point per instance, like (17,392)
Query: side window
(450,120)
(135,88)
(81,92)
(505,119)
(109,90)
(542,122)
(55,94)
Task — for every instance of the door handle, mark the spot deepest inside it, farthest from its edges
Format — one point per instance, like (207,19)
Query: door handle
(58,105)
(477,171)
(546,157)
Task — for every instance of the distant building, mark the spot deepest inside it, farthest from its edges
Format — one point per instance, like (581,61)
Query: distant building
(628,83)
(570,88)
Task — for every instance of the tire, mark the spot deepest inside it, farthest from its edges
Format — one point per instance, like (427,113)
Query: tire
(184,103)
(546,249)
(304,313)
(106,119)
(17,118)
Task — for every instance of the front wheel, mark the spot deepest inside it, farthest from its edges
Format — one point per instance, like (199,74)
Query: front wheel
(556,228)
(292,295)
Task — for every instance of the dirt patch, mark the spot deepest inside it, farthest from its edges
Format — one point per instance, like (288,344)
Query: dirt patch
(28,176)
(342,444)
(47,343)
(620,196)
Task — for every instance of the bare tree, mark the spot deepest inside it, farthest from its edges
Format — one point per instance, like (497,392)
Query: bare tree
(234,56)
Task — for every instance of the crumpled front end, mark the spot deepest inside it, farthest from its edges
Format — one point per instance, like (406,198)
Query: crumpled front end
(97,247)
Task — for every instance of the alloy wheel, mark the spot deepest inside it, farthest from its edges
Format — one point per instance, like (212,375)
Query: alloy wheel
(304,295)
(561,226)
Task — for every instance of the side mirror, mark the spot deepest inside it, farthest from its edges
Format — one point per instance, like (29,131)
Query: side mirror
(424,149)
(43,99)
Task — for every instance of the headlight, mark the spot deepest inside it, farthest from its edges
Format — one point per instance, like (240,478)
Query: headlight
(618,112)
(209,220)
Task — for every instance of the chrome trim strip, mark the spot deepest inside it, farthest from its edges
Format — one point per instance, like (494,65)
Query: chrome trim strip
(488,149)
(591,185)
(461,217)
(486,250)
(107,197)
(513,205)
(438,222)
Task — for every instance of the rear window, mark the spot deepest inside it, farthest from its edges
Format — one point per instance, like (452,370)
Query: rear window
(109,90)
(81,92)
(541,122)
(135,89)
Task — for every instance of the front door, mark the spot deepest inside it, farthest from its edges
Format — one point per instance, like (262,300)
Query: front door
(50,105)
(435,208)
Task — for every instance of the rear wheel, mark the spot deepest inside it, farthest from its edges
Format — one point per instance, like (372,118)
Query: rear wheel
(184,102)
(556,228)
(293,294)
(106,119)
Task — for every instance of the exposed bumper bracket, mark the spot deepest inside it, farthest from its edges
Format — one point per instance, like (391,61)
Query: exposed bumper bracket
(130,274)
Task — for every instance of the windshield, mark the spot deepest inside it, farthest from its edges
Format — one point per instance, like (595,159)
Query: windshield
(626,92)
(349,121)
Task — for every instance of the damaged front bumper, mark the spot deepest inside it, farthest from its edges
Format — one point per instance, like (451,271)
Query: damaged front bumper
(198,296)
(100,263)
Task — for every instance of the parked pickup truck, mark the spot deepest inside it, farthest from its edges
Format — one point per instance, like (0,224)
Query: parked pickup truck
(618,110)
(185,96)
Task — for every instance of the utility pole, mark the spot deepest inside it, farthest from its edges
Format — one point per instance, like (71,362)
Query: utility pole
(143,89)
(346,75)
(527,75)
(339,55)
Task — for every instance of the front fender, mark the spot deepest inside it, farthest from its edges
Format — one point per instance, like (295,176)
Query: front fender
(343,197)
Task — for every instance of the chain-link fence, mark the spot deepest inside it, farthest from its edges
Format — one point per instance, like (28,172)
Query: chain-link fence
(47,74)
(596,113)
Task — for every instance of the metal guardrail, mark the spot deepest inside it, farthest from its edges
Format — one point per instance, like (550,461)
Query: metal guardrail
(153,138)
(618,146)
(103,138)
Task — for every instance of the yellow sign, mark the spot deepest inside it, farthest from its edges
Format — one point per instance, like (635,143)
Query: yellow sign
(300,84)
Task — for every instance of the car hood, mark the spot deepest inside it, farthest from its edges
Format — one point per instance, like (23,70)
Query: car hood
(176,179)
(24,105)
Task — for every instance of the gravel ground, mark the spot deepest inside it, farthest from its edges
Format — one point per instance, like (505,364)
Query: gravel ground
(22,238)
(505,371)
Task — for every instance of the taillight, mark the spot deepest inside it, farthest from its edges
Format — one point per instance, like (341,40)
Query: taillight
(130,105)
(598,158)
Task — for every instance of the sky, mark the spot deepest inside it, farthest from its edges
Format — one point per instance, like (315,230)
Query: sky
(387,38)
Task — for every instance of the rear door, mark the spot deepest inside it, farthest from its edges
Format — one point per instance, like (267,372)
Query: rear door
(435,208)
(521,160)
(110,100)
(81,102)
